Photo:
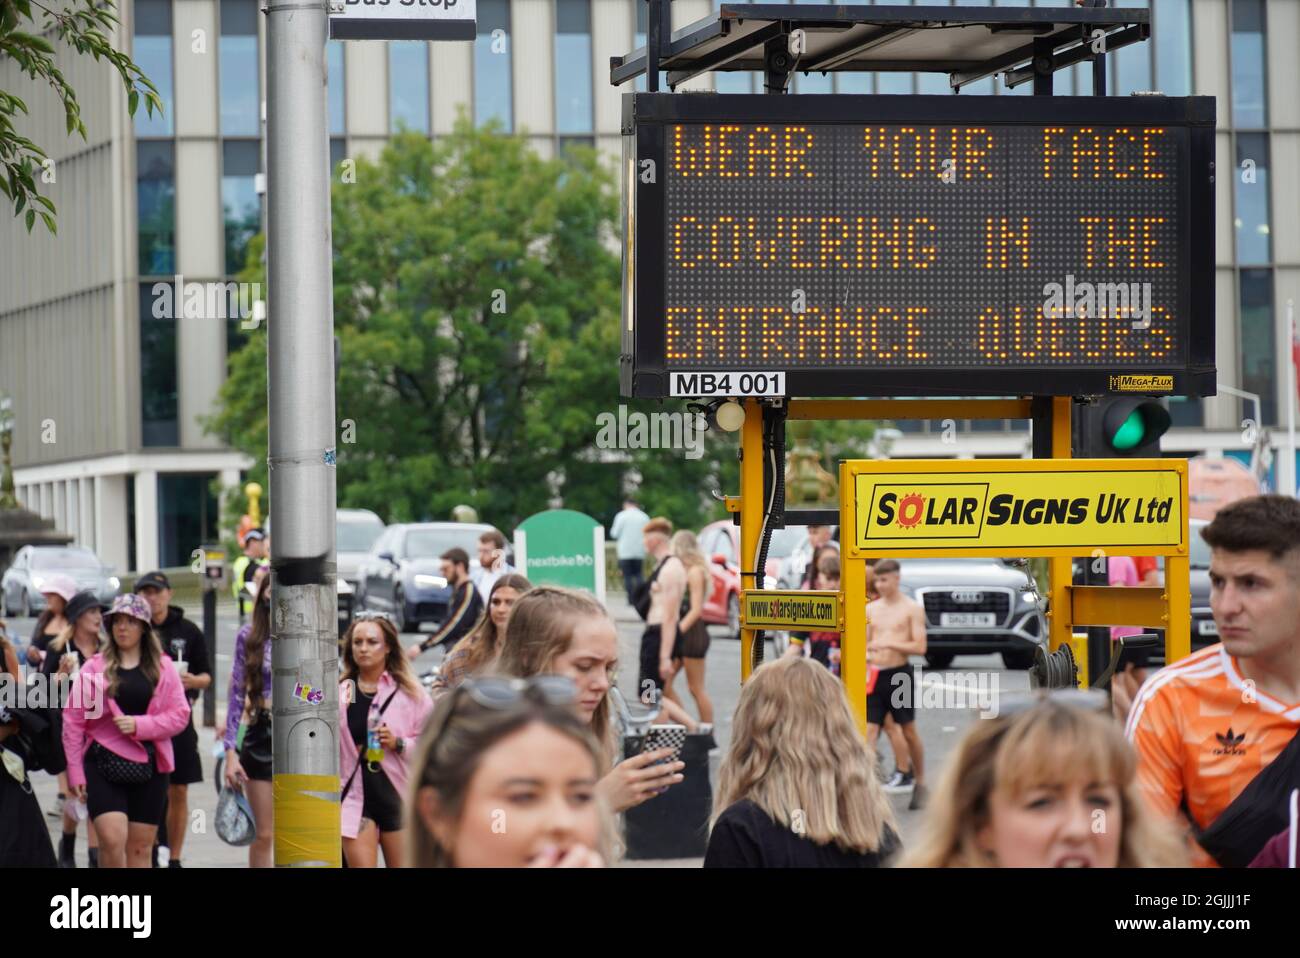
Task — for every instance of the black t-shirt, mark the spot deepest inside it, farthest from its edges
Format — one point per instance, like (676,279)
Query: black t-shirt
(42,640)
(51,663)
(358,713)
(133,691)
(182,639)
(745,837)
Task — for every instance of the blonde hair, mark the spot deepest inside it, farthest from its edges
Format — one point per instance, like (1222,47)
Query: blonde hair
(539,631)
(1050,743)
(451,749)
(795,748)
(687,548)
(396,663)
(61,641)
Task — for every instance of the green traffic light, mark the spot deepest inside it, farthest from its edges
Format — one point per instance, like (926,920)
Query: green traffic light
(1131,432)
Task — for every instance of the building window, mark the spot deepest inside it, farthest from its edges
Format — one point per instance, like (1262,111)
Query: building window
(408,87)
(573,113)
(1171,32)
(492,97)
(1131,65)
(240,95)
(152,52)
(338,153)
(1249,63)
(156,206)
(187,516)
(857,82)
(1186,412)
(733,82)
(240,206)
(1258,345)
(159,419)
(1250,191)
(337,86)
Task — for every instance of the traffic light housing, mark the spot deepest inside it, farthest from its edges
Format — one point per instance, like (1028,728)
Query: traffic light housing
(1120,428)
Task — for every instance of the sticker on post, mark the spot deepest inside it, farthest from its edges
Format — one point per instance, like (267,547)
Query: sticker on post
(727,384)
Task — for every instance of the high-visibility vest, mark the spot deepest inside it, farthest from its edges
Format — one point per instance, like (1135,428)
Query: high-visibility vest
(237,576)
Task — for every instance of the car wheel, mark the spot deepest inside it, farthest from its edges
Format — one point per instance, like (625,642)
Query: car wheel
(25,606)
(733,615)
(939,660)
(4,602)
(399,609)
(1020,661)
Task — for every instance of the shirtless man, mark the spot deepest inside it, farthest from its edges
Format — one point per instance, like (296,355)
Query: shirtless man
(666,594)
(895,631)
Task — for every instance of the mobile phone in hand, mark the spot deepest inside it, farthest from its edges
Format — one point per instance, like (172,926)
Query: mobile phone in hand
(665,736)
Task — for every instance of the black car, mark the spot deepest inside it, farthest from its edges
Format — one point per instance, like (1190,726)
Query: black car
(402,575)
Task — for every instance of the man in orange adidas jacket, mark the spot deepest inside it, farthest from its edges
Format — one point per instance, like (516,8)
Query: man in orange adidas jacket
(1205,726)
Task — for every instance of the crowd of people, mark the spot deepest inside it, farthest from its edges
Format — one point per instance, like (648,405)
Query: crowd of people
(518,753)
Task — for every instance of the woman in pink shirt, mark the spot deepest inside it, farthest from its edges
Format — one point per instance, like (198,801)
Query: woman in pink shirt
(381,708)
(117,730)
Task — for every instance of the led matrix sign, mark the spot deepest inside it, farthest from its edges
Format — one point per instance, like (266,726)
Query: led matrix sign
(928,245)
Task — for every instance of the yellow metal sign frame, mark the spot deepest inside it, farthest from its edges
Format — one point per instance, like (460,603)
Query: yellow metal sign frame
(810,611)
(1069,606)
(1013,507)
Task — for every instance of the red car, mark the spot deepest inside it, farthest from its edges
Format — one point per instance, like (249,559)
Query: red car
(720,543)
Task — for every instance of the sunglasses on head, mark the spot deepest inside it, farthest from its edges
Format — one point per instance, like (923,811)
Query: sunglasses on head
(1085,700)
(501,693)
(368,616)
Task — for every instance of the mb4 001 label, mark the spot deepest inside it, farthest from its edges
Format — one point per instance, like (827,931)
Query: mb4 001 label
(727,384)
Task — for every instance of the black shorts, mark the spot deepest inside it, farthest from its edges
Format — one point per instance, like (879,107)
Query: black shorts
(255,753)
(381,804)
(143,804)
(894,694)
(693,643)
(649,676)
(185,748)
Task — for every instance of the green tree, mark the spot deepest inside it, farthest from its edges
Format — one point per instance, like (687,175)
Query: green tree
(476,299)
(81,25)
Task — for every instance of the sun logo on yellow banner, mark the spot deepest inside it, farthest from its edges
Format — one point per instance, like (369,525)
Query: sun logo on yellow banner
(911,509)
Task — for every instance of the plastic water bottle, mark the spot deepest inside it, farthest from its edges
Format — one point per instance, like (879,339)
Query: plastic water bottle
(374,751)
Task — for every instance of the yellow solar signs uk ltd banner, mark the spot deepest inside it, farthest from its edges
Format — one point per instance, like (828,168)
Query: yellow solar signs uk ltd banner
(1016,507)
(770,609)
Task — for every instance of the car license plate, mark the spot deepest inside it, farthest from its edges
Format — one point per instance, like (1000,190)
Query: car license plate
(967,620)
(1207,627)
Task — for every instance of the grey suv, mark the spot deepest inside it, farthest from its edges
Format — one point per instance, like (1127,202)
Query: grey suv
(975,607)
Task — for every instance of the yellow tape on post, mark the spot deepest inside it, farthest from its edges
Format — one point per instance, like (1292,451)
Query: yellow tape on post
(308,827)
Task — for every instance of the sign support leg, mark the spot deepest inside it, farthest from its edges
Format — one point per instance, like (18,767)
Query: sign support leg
(752,506)
(853,584)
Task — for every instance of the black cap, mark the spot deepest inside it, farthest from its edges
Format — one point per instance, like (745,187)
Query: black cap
(156,580)
(81,603)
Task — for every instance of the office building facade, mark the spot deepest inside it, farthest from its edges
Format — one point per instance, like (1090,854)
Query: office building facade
(110,396)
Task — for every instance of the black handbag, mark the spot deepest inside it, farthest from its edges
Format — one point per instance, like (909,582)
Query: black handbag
(1257,814)
(122,771)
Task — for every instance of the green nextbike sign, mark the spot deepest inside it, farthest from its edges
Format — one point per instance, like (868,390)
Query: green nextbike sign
(562,547)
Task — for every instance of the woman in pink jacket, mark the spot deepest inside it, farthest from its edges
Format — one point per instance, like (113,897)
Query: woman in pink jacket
(117,730)
(379,700)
